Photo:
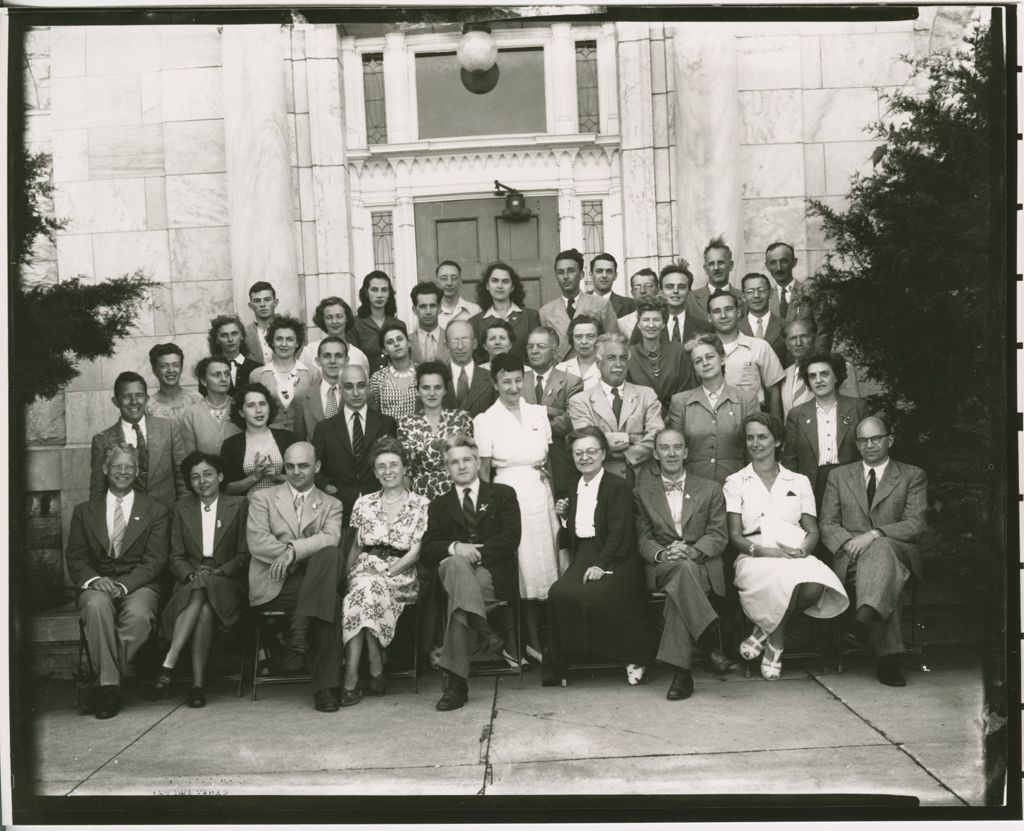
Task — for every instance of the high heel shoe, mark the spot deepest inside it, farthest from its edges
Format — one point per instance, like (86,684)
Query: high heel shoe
(506,656)
(534,655)
(752,646)
(163,681)
(771,663)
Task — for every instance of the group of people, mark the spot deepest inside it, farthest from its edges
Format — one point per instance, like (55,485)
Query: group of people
(566,461)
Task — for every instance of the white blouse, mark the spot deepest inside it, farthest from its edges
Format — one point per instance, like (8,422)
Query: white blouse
(209,518)
(790,497)
(586,505)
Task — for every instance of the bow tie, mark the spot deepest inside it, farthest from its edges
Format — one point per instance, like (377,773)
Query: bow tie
(672,486)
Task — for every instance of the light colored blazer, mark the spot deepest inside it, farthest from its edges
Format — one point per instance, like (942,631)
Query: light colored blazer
(898,510)
(251,346)
(560,387)
(166,452)
(272,525)
(553,314)
(309,412)
(640,417)
(308,379)
(441,351)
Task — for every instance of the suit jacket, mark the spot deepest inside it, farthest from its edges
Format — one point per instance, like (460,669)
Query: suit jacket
(480,396)
(251,347)
(522,323)
(849,387)
(166,452)
(898,510)
(798,305)
(498,530)
(309,412)
(703,521)
(338,465)
(697,302)
(441,350)
(772,334)
(272,524)
(800,450)
(143,548)
(308,379)
(553,314)
(613,523)
(640,417)
(230,546)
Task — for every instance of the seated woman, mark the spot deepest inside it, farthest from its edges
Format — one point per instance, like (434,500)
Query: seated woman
(776,580)
(170,400)
(598,607)
(657,362)
(382,567)
(498,338)
(205,425)
(285,376)
(254,458)
(334,317)
(393,386)
(209,560)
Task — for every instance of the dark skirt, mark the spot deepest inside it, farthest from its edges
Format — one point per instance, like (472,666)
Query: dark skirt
(225,595)
(603,620)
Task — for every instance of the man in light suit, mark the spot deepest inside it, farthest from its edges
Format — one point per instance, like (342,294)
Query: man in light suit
(872,515)
(322,401)
(603,271)
(543,384)
(297,566)
(789,298)
(680,525)
(629,415)
(470,388)
(117,551)
(801,335)
(759,322)
(263,302)
(426,339)
(559,312)
(161,449)
(718,266)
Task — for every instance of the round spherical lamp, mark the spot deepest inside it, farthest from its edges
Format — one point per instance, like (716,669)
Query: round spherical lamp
(477,51)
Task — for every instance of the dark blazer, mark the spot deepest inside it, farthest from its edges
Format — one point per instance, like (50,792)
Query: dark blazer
(498,529)
(143,549)
(251,345)
(772,334)
(481,393)
(692,326)
(339,466)
(613,523)
(166,452)
(898,510)
(697,302)
(309,412)
(798,305)
(675,371)
(560,387)
(522,324)
(230,549)
(800,451)
(232,453)
(703,521)
(366,335)
(241,375)
(622,305)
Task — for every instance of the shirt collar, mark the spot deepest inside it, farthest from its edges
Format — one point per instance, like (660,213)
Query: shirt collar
(681,480)
(753,318)
(474,492)
(456,369)
(296,494)
(575,298)
(131,428)
(879,470)
(126,501)
(608,389)
(584,485)
(349,411)
(326,385)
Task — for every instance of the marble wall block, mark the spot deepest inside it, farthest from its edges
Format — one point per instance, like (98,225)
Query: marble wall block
(635,94)
(638,184)
(74,256)
(810,62)
(289,82)
(104,205)
(308,246)
(192,94)
(184,47)
(151,94)
(665,229)
(814,169)
(838,114)
(118,254)
(302,148)
(770,116)
(156,203)
(772,170)
(305,180)
(816,238)
(322,41)
(196,347)
(659,119)
(126,152)
(865,60)
(121,50)
(197,200)
(768,62)
(43,467)
(162,303)
(196,303)
(194,146)
(67,51)
(198,254)
(88,379)
(331,208)
(662,174)
(38,132)
(326,119)
(45,425)
(70,155)
(300,86)
(768,220)
(658,71)
(130,354)
(92,411)
(842,159)
(105,101)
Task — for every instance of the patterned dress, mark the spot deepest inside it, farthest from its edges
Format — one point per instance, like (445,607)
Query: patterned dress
(394,393)
(427,474)
(374,601)
(266,447)
(174,411)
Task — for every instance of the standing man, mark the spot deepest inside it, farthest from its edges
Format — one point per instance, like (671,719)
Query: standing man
(749,362)
(543,384)
(676,281)
(263,302)
(717,266)
(227,337)
(642,284)
(629,415)
(759,322)
(426,340)
(297,566)
(470,388)
(801,335)
(157,440)
(680,525)
(117,551)
(604,270)
(473,532)
(559,312)
(343,442)
(872,516)
(322,401)
(453,305)
(789,298)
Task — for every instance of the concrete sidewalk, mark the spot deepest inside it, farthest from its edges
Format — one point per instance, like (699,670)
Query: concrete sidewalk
(809,733)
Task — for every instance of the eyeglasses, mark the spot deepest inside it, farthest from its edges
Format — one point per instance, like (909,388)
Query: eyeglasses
(864,441)
(590,452)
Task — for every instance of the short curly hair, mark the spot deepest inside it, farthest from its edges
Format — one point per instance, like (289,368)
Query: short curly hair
(239,401)
(833,359)
(285,322)
(388,444)
(651,303)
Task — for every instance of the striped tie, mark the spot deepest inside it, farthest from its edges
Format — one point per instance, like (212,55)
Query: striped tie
(117,532)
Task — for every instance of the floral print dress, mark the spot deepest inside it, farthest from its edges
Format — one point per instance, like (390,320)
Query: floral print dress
(427,474)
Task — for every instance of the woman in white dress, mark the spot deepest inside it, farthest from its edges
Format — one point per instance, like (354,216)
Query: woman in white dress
(773,525)
(513,438)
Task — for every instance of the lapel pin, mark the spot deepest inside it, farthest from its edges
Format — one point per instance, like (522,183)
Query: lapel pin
(808,421)
(135,518)
(218,523)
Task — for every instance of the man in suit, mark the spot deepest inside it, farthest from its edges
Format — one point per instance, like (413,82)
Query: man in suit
(629,415)
(472,535)
(227,337)
(603,271)
(543,384)
(559,312)
(448,275)
(117,551)
(470,388)
(801,335)
(263,302)
(789,298)
(820,433)
(426,340)
(161,449)
(675,281)
(718,266)
(343,442)
(643,283)
(872,515)
(298,566)
(322,401)
(680,525)
(759,322)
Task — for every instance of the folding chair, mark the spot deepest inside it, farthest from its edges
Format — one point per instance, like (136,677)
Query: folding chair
(411,612)
(914,647)
(260,620)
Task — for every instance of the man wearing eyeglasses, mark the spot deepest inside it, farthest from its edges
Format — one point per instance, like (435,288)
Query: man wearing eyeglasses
(759,322)
(872,515)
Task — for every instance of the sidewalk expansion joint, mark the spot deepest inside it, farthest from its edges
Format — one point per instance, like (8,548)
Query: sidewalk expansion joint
(485,743)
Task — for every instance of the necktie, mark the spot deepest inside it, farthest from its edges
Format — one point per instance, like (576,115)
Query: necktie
(117,532)
(783,302)
(871,486)
(299,500)
(760,329)
(539,392)
(429,350)
(570,308)
(468,509)
(462,389)
(713,400)
(140,446)
(332,401)
(675,329)
(616,404)
(358,441)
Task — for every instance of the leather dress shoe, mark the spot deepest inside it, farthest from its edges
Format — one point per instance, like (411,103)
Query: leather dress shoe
(681,686)
(326,700)
(719,663)
(455,694)
(196,698)
(887,670)
(108,703)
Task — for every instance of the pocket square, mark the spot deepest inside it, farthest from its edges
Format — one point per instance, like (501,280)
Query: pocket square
(790,493)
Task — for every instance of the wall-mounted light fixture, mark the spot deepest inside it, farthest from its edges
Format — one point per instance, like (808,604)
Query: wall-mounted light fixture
(478,58)
(515,203)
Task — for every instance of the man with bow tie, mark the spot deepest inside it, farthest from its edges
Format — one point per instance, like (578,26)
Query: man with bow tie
(681,532)
(117,550)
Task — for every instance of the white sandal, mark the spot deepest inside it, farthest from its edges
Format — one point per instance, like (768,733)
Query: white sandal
(753,646)
(771,667)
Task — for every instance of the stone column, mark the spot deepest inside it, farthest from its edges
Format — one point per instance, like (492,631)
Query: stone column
(562,66)
(260,203)
(707,118)
(397,89)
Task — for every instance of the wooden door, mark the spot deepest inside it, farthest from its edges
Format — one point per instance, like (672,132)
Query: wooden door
(473,233)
